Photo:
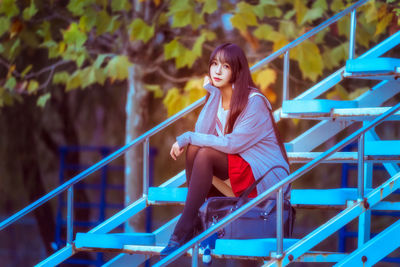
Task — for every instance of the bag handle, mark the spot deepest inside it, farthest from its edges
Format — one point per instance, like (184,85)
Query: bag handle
(244,196)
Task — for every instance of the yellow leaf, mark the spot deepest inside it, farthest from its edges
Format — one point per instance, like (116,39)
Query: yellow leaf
(309,58)
(196,83)
(11,70)
(33,86)
(383,23)
(265,78)
(355,94)
(339,93)
(301,10)
(270,94)
(156,89)
(157,2)
(173,101)
(61,47)
(194,90)
(279,43)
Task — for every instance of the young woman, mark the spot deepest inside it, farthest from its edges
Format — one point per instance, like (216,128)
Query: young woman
(235,140)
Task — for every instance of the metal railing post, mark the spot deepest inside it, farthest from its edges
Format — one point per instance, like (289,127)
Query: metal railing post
(279,223)
(70,215)
(286,61)
(360,180)
(195,255)
(146,155)
(353,24)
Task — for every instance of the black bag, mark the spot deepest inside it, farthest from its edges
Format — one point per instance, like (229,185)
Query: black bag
(259,222)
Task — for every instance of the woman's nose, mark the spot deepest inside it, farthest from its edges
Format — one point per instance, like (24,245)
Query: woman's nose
(218,70)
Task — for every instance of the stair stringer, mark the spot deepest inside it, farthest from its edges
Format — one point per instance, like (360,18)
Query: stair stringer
(372,251)
(162,236)
(111,223)
(325,130)
(334,224)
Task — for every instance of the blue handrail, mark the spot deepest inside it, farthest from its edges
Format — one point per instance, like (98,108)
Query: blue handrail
(145,137)
(169,121)
(291,178)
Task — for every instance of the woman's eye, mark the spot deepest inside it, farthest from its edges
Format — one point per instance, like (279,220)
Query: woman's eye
(226,66)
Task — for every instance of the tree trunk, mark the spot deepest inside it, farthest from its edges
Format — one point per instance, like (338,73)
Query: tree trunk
(22,126)
(136,116)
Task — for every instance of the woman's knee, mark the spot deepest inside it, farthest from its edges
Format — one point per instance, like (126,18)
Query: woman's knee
(192,150)
(205,154)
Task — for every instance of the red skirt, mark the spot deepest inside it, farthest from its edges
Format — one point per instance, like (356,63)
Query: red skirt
(240,175)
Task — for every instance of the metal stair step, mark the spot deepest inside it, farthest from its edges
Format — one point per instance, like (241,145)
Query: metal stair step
(113,240)
(349,114)
(315,106)
(380,68)
(249,247)
(302,198)
(234,249)
(371,155)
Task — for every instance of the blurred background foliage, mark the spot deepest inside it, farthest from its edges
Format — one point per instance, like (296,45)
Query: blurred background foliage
(64,73)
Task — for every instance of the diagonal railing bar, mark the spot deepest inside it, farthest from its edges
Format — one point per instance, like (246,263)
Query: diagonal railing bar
(99,165)
(337,222)
(308,34)
(145,137)
(167,122)
(291,178)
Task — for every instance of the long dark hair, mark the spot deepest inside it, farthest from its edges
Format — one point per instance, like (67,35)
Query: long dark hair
(242,82)
(241,79)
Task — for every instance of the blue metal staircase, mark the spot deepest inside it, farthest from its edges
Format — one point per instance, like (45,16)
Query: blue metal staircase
(332,117)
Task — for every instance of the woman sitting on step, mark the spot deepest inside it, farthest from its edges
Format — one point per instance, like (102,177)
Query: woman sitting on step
(234,143)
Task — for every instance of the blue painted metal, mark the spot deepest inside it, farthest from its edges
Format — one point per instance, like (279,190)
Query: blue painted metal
(286,62)
(146,155)
(321,257)
(333,79)
(360,176)
(279,223)
(364,221)
(292,177)
(387,147)
(325,130)
(375,249)
(338,221)
(316,106)
(263,62)
(70,215)
(307,35)
(372,65)
(58,257)
(113,241)
(167,195)
(250,247)
(352,41)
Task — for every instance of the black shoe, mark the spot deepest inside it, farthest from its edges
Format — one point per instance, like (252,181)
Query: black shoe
(172,246)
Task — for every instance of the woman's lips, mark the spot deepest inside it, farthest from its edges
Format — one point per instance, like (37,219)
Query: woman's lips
(217,79)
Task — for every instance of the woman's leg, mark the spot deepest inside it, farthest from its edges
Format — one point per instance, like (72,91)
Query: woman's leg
(206,163)
(191,153)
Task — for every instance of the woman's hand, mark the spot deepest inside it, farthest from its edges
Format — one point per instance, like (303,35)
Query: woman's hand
(176,151)
(207,80)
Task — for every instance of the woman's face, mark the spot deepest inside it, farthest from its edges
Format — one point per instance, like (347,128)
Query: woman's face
(220,72)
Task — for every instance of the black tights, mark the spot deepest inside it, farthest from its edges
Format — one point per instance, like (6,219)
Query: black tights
(202,163)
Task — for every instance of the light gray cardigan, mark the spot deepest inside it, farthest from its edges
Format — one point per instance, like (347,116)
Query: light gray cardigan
(253,137)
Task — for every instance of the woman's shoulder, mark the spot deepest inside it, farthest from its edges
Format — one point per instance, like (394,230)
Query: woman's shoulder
(256,97)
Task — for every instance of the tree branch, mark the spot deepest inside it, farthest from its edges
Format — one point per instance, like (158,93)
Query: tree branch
(4,63)
(46,69)
(171,78)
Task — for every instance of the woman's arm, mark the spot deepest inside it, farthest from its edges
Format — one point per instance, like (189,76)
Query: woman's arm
(206,121)
(249,129)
